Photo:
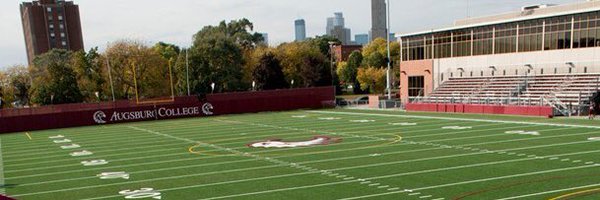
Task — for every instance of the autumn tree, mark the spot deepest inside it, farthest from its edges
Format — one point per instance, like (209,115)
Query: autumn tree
(133,62)
(305,64)
(372,78)
(17,82)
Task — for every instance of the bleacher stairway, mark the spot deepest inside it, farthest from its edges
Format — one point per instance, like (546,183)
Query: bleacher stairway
(562,91)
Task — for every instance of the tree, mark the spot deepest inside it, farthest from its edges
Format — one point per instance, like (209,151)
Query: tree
(348,72)
(129,59)
(55,81)
(217,59)
(167,51)
(268,73)
(89,71)
(305,64)
(372,78)
(218,56)
(379,46)
(17,83)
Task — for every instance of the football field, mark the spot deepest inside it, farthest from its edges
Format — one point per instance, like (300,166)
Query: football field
(367,155)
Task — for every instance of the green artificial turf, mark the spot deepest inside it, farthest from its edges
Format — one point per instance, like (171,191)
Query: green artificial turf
(208,158)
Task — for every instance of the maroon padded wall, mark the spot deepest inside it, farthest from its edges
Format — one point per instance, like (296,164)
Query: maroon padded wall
(545,111)
(73,115)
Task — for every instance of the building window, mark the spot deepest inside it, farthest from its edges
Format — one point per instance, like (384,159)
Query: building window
(61,26)
(52,35)
(62,35)
(60,17)
(416,85)
(50,18)
(49,9)
(51,26)
(64,43)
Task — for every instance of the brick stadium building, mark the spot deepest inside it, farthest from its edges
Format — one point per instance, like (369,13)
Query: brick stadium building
(50,24)
(548,54)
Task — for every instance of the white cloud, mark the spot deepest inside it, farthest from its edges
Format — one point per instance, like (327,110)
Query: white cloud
(175,21)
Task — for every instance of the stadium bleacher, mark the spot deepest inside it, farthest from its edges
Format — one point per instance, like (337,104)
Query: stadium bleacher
(563,90)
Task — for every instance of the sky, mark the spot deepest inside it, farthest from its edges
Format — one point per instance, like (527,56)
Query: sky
(175,21)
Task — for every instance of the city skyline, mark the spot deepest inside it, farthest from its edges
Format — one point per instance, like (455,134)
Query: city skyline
(176,21)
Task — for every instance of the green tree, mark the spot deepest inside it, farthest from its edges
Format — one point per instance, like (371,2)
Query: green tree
(217,56)
(268,74)
(55,81)
(89,71)
(349,72)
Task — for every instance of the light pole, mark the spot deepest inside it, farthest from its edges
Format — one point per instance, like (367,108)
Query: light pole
(331,54)
(387,33)
(187,71)
(292,85)
(112,88)
(253,85)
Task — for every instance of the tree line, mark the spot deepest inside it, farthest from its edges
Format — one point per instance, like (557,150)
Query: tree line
(227,56)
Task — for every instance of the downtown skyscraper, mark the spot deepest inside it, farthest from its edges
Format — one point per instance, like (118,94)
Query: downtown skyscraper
(378,19)
(300,29)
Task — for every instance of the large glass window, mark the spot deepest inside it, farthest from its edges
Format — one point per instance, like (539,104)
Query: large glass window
(461,43)
(416,86)
(530,35)
(416,48)
(586,31)
(558,33)
(482,40)
(442,45)
(506,38)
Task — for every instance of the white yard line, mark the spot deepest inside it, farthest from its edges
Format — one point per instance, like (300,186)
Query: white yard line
(358,148)
(550,192)
(305,173)
(455,119)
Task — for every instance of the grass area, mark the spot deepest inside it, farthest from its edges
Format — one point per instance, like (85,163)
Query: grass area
(382,155)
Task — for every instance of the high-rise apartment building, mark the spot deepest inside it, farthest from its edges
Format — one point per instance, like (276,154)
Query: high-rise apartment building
(50,24)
